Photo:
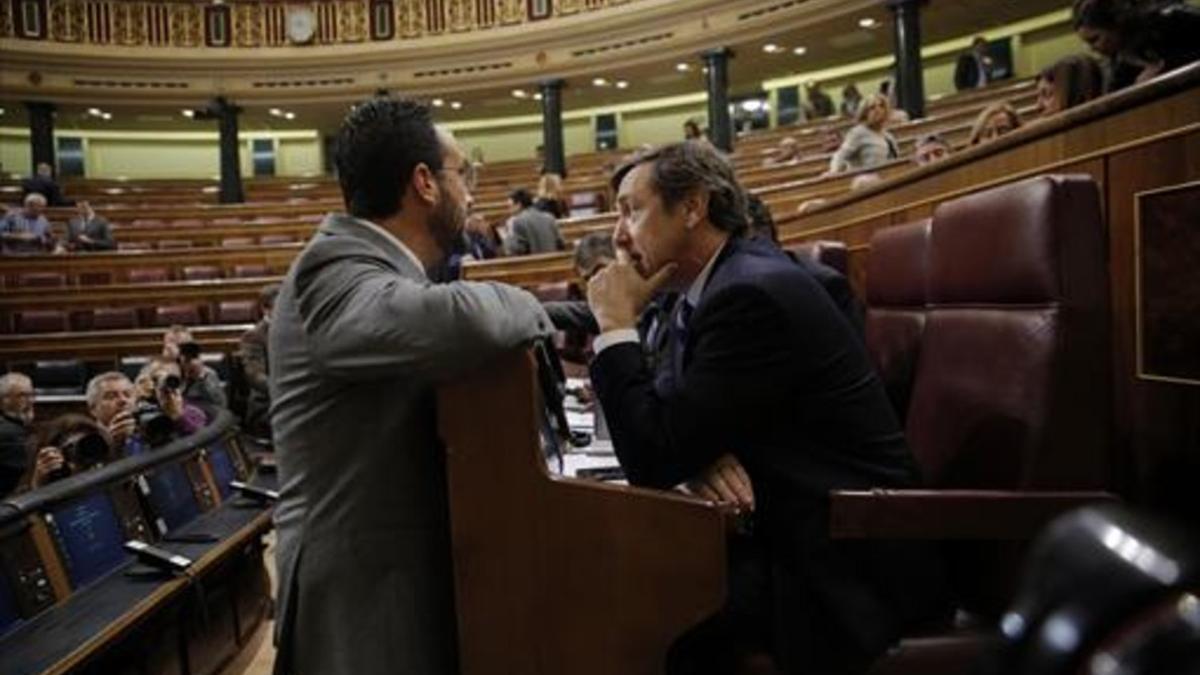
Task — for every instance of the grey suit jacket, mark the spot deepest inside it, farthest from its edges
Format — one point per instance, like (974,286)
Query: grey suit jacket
(534,231)
(359,339)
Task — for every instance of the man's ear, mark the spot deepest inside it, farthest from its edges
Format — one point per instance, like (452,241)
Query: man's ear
(424,183)
(695,207)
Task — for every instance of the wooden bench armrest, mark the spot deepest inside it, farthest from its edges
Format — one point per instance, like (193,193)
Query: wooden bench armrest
(950,514)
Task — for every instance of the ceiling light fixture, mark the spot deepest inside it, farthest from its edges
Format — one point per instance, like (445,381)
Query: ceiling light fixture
(867,22)
(682,67)
(800,51)
(772,48)
(456,105)
(289,115)
(600,82)
(622,84)
(95,112)
(189,113)
(537,95)
(437,102)
(520,93)
(276,112)
(107,115)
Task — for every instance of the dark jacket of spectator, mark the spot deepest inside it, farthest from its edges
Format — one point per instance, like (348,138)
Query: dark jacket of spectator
(46,186)
(973,67)
(14,454)
(253,352)
(821,104)
(93,233)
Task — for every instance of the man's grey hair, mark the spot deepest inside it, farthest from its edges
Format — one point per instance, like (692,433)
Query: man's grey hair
(10,380)
(34,197)
(93,386)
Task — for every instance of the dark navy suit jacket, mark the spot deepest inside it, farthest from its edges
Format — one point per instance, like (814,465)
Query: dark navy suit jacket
(773,371)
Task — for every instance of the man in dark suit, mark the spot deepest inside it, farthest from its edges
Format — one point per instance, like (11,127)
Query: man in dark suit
(974,67)
(767,374)
(43,183)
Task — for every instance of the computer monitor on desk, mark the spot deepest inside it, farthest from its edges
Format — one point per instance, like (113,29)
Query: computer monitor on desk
(89,537)
(171,497)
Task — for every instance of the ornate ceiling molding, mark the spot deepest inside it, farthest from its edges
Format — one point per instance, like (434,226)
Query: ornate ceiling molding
(169,52)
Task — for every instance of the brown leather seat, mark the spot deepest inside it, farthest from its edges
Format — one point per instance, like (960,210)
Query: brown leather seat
(237,311)
(897,272)
(168,315)
(248,271)
(201,272)
(1010,394)
(148,275)
(237,241)
(42,321)
(42,280)
(829,253)
(113,318)
(173,244)
(275,239)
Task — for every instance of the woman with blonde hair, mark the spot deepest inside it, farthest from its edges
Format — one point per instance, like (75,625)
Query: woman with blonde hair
(995,121)
(868,144)
(550,196)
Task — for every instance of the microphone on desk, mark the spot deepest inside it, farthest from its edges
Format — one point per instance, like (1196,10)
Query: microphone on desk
(160,559)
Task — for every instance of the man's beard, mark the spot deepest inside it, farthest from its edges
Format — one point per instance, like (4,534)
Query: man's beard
(446,226)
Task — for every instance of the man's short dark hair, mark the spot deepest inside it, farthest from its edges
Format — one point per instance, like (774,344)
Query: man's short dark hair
(679,169)
(592,248)
(522,197)
(380,144)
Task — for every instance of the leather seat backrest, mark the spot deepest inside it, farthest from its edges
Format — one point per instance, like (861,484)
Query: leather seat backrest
(1012,385)
(897,271)
(829,253)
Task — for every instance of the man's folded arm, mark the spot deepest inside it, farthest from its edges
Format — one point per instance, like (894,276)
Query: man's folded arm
(374,322)
(739,365)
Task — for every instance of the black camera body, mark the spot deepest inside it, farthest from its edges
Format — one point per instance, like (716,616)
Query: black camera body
(81,451)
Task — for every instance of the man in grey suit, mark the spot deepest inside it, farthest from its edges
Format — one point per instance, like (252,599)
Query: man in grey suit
(531,230)
(359,340)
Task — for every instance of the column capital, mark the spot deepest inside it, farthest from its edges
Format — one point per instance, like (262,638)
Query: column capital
(717,53)
(897,5)
(551,83)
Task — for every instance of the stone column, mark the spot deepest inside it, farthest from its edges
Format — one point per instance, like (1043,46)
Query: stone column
(41,134)
(226,115)
(910,76)
(555,160)
(719,124)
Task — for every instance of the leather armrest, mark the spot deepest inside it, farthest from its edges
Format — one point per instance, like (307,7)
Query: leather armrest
(949,514)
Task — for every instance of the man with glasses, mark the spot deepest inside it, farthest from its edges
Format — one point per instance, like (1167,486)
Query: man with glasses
(359,340)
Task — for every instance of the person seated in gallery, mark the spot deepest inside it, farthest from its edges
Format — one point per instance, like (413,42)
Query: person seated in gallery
(1071,81)
(26,230)
(89,231)
(868,143)
(996,120)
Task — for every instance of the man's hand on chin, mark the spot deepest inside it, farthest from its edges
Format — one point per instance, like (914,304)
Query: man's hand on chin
(618,293)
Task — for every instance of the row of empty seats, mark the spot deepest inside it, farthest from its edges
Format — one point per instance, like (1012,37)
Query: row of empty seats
(148,275)
(117,318)
(221,221)
(176,244)
(69,377)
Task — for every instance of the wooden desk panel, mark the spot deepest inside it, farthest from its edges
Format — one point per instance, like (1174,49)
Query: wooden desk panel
(587,578)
